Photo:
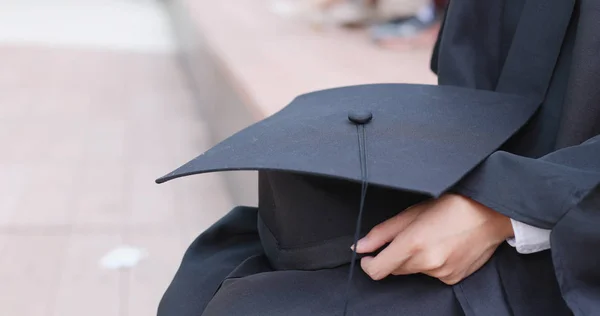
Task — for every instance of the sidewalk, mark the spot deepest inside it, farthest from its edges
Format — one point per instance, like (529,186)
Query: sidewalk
(89,117)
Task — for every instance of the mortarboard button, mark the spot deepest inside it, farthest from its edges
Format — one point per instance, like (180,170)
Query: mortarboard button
(360,117)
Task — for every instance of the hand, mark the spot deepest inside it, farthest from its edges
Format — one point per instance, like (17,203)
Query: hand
(448,238)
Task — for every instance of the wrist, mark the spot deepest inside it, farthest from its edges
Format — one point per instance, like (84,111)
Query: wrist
(505,227)
(499,225)
(499,228)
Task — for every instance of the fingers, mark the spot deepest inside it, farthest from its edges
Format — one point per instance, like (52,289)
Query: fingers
(444,239)
(380,235)
(386,231)
(387,261)
(453,274)
(427,262)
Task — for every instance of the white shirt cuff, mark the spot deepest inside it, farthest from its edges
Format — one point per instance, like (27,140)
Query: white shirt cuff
(529,239)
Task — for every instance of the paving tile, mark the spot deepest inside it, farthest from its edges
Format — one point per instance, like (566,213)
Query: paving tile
(85,288)
(150,278)
(31,268)
(47,198)
(57,104)
(105,141)
(200,202)
(161,104)
(13,183)
(170,142)
(16,105)
(151,205)
(43,141)
(101,196)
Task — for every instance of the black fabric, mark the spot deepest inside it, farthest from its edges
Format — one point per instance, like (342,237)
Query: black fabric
(549,178)
(469,50)
(530,283)
(224,272)
(536,191)
(422,138)
(575,240)
(308,222)
(540,136)
(210,259)
(320,293)
(547,175)
(581,116)
(482,292)
(534,47)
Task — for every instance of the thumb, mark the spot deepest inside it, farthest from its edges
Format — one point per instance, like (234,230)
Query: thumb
(386,231)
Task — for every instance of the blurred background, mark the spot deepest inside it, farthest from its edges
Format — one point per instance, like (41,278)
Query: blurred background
(100,97)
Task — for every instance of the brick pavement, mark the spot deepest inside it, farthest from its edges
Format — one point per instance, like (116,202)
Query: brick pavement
(84,131)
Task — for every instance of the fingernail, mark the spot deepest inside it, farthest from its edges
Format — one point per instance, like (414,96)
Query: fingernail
(365,263)
(360,245)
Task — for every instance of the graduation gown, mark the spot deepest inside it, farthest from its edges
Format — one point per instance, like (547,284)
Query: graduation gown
(547,177)
(550,178)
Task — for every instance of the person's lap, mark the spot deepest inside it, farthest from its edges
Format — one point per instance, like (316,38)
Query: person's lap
(322,292)
(224,272)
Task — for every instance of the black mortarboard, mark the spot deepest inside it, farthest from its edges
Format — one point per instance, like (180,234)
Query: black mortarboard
(416,141)
(421,138)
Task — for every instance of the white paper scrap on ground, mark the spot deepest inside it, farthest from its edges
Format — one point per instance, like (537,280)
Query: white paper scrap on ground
(122,257)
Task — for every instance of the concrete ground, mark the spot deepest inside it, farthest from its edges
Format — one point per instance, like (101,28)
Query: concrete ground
(93,107)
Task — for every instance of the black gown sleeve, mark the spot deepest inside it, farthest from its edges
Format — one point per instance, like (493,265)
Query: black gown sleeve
(561,192)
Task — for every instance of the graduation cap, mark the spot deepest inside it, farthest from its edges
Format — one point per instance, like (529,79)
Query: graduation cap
(319,156)
(419,138)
